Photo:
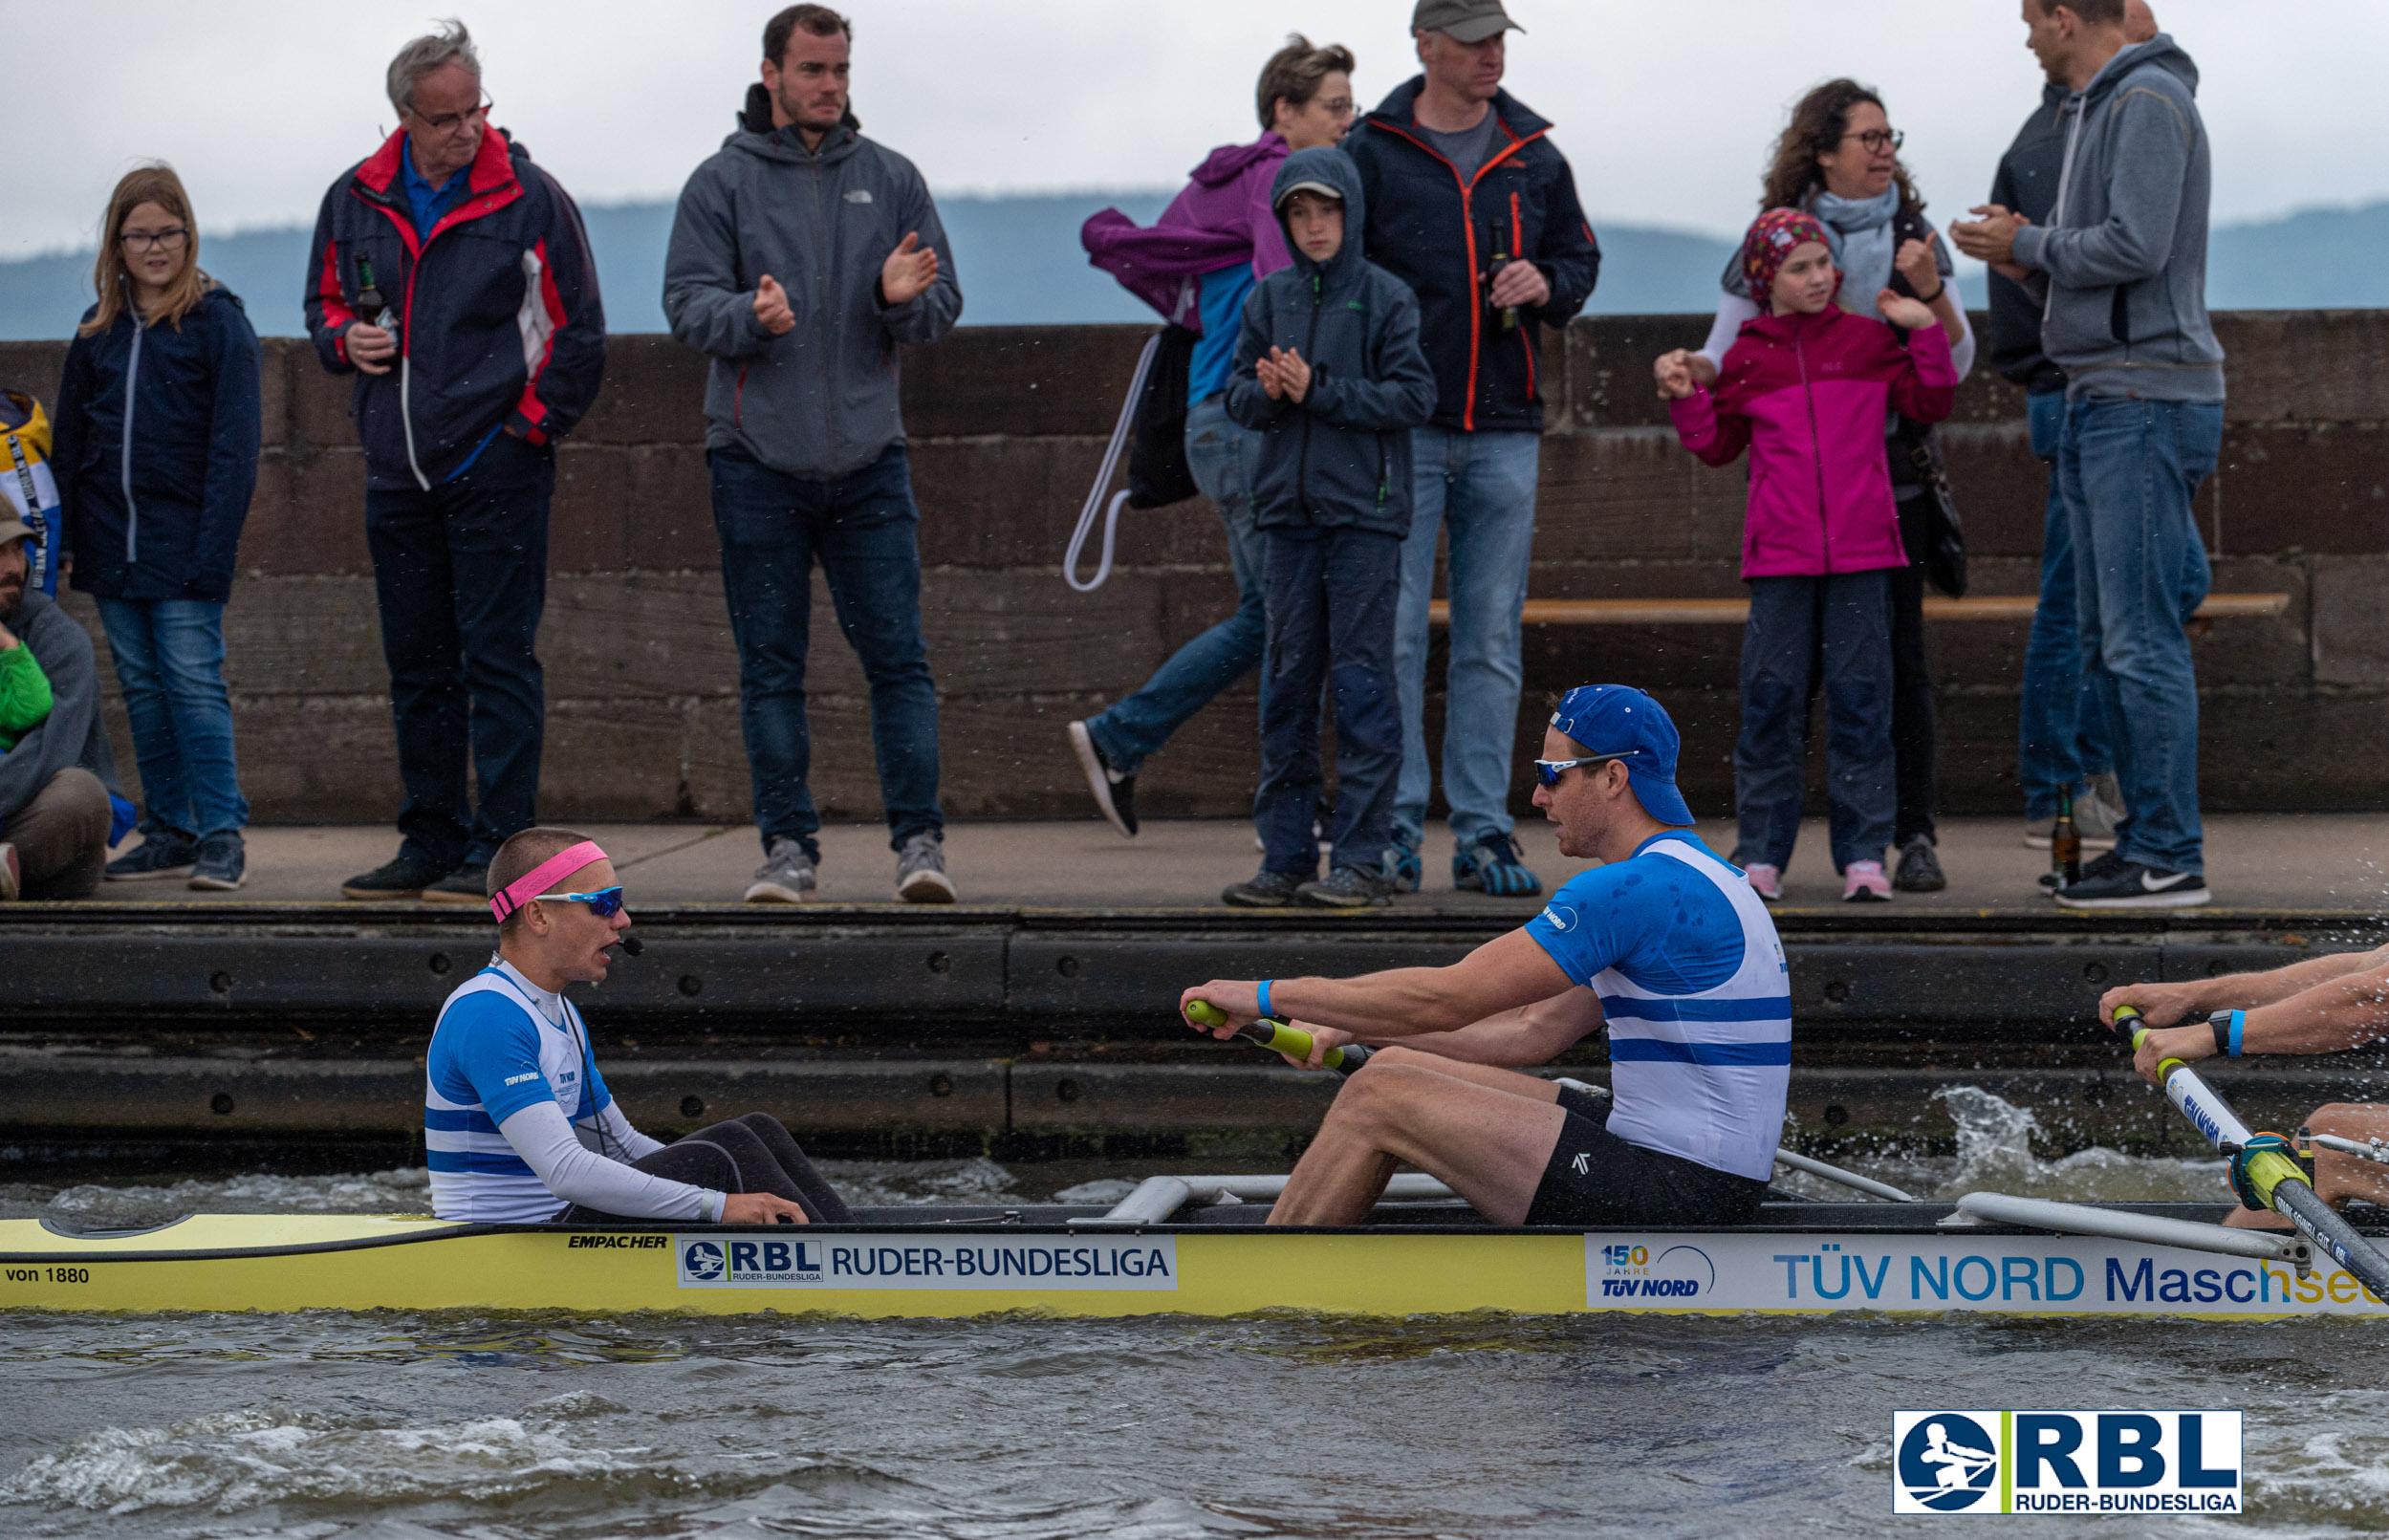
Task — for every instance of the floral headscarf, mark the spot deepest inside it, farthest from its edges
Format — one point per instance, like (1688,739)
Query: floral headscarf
(1770,243)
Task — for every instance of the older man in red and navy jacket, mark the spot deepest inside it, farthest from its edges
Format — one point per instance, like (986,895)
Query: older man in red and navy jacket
(454,278)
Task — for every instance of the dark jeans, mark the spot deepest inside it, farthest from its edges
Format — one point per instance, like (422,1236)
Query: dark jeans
(749,1154)
(2129,470)
(1915,721)
(1332,596)
(864,531)
(2062,730)
(1841,626)
(462,576)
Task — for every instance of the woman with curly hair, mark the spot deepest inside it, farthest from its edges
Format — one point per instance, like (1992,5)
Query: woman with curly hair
(1838,159)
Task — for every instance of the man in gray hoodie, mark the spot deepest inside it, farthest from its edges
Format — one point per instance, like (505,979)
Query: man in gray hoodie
(2120,273)
(58,788)
(802,254)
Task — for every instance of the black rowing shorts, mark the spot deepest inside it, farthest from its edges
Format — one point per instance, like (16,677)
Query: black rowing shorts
(1596,1179)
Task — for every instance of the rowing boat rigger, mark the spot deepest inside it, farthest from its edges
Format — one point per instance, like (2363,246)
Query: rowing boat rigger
(1211,1257)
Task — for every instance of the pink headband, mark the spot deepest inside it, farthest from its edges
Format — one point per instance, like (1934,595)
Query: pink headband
(563,864)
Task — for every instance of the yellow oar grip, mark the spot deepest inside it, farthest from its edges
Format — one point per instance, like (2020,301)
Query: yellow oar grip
(1270,1034)
(1203,1013)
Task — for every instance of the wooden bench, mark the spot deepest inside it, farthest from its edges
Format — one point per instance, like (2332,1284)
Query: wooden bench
(1736,612)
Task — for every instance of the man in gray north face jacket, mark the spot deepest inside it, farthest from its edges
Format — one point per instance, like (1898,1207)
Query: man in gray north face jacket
(2121,267)
(802,253)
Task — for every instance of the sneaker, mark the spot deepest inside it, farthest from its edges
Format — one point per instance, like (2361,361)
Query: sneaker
(1400,870)
(1864,882)
(1493,865)
(1268,890)
(2131,885)
(405,877)
(1115,793)
(467,886)
(785,876)
(1767,881)
(2100,866)
(12,875)
(920,870)
(1346,887)
(157,855)
(1919,868)
(222,866)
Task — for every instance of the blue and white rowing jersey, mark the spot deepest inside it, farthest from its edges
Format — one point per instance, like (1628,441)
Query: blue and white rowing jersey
(1692,980)
(502,1044)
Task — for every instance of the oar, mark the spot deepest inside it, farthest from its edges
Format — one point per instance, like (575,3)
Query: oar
(2261,1166)
(1275,1033)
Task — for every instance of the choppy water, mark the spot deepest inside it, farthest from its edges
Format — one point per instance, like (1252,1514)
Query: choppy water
(389,1426)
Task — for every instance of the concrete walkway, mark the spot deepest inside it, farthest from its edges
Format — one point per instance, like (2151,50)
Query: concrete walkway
(2317,863)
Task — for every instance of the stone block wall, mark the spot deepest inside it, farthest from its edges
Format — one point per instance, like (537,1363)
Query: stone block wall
(1008,427)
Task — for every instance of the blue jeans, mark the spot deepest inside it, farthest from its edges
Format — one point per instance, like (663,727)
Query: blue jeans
(1221,452)
(864,530)
(1842,623)
(169,658)
(2129,469)
(1332,596)
(2062,738)
(461,575)
(1479,486)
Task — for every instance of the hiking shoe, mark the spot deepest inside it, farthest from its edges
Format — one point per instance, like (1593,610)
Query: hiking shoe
(1493,865)
(1115,793)
(2129,885)
(12,875)
(468,884)
(785,876)
(1864,882)
(1268,890)
(920,870)
(1767,881)
(1346,887)
(1400,870)
(404,876)
(1919,868)
(157,855)
(222,866)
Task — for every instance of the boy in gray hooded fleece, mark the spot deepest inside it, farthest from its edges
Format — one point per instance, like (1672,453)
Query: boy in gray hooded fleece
(802,254)
(2120,270)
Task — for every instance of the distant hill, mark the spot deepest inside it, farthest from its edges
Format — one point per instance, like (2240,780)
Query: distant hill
(1021,265)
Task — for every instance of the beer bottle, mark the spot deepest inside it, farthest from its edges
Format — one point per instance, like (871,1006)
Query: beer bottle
(2065,842)
(369,301)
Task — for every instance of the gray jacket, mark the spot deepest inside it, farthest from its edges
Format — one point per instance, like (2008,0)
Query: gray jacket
(819,401)
(2121,268)
(74,735)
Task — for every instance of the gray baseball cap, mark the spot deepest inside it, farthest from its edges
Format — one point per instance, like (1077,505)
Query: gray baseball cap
(1471,21)
(13,527)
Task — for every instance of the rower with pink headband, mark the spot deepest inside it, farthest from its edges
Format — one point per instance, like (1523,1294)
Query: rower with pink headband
(518,1125)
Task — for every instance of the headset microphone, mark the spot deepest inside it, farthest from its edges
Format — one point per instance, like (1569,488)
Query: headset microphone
(631,945)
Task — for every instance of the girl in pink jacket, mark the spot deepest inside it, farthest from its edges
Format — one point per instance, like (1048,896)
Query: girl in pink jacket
(1807,387)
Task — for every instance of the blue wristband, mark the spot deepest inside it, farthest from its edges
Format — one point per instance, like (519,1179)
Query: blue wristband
(2239,1025)
(1264,996)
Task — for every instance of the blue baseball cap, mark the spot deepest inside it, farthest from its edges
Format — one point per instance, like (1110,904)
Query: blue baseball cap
(1621,722)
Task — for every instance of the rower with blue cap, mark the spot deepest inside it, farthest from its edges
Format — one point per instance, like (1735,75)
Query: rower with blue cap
(1665,945)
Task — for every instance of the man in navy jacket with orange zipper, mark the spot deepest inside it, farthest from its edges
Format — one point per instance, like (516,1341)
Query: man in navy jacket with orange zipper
(454,278)
(1472,206)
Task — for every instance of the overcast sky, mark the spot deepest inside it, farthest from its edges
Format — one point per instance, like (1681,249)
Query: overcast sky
(1664,107)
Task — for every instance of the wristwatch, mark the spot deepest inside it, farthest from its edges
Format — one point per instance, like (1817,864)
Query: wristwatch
(2229,1025)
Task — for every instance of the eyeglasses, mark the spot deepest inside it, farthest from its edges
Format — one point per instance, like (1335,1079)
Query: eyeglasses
(1336,107)
(604,904)
(1550,770)
(155,240)
(1878,139)
(448,123)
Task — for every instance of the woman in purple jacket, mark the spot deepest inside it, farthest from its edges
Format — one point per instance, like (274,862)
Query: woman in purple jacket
(1195,265)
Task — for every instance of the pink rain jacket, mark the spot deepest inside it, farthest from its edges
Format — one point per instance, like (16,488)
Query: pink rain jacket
(1809,395)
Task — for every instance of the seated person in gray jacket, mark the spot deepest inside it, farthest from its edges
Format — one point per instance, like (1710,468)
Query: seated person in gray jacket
(59,790)
(1329,371)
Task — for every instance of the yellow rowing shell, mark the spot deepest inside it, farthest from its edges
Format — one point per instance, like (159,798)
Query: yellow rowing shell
(225,1262)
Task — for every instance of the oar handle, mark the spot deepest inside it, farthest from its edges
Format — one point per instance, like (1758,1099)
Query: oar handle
(2127,1025)
(1279,1036)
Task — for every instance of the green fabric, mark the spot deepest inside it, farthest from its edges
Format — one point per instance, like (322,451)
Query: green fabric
(24,695)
